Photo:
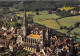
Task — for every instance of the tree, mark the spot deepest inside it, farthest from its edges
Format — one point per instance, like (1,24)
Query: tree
(61,27)
(19,5)
(1,22)
(77,24)
(50,12)
(55,8)
(30,19)
(37,13)
(58,10)
(71,28)
(10,24)
(64,14)
(65,27)
(5,10)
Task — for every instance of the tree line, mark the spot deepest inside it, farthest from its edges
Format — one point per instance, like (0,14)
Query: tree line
(41,5)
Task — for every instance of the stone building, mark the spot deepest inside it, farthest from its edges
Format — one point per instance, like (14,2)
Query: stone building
(11,28)
(35,41)
(12,45)
(24,25)
(19,39)
(38,30)
(4,43)
(4,27)
(19,31)
(31,42)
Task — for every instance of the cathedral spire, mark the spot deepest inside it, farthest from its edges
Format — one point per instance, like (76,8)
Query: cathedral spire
(25,23)
(24,13)
(24,19)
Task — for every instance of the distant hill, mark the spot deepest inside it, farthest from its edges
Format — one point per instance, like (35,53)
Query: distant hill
(38,4)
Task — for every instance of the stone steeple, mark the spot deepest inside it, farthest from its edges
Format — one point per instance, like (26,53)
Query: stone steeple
(46,34)
(25,24)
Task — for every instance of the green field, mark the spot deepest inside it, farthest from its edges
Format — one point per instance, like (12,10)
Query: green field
(69,21)
(76,30)
(48,20)
(21,15)
(44,18)
(50,16)
(78,38)
(63,31)
(44,12)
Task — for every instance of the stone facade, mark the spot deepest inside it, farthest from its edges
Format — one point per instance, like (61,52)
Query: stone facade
(19,39)
(31,42)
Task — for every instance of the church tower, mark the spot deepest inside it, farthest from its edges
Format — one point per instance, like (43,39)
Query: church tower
(46,34)
(24,25)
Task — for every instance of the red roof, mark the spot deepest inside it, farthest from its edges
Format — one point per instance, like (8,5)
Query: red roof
(34,36)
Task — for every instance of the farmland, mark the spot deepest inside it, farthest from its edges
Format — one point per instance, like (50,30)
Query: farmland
(69,21)
(44,18)
(63,31)
(50,16)
(43,14)
(29,25)
(48,20)
(33,12)
(76,30)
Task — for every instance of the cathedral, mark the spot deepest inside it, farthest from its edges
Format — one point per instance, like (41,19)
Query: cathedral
(33,41)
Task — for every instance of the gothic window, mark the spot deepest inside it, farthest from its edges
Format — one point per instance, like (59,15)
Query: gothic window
(29,40)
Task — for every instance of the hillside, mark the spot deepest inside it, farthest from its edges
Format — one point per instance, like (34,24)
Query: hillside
(41,5)
(69,21)
(53,20)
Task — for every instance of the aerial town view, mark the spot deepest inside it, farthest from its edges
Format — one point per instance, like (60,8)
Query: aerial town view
(39,27)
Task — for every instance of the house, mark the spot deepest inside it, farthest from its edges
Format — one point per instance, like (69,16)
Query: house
(13,45)
(4,27)
(5,34)
(19,39)
(1,33)
(11,28)
(4,42)
(9,36)
(19,32)
(73,12)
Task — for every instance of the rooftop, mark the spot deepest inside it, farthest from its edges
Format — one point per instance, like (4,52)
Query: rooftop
(34,36)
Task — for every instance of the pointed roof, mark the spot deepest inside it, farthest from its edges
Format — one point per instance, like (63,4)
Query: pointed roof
(24,19)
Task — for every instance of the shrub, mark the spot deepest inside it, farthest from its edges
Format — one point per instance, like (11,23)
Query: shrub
(61,27)
(77,24)
(65,27)
(37,13)
(50,12)
(58,10)
(71,28)
(64,14)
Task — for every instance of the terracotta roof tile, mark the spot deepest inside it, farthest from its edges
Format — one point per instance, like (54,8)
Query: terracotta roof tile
(34,36)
